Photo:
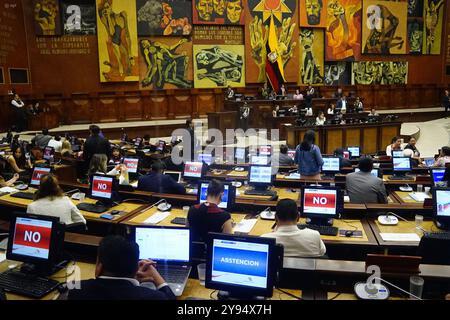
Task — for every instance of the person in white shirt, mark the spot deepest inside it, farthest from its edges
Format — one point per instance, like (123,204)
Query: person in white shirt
(296,242)
(297,95)
(98,165)
(396,144)
(56,143)
(332,109)
(320,120)
(50,201)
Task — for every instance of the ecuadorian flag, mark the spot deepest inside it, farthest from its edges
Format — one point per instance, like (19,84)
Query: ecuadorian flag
(274,63)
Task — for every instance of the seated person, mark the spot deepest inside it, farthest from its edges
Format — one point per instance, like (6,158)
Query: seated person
(293,110)
(119,275)
(410,154)
(208,217)
(17,162)
(296,242)
(341,104)
(412,145)
(396,144)
(331,109)
(98,165)
(230,93)
(373,113)
(358,106)
(146,140)
(156,181)
(10,182)
(56,143)
(50,200)
(444,157)
(362,187)
(297,95)
(41,139)
(309,112)
(116,156)
(320,120)
(66,149)
(345,163)
(284,159)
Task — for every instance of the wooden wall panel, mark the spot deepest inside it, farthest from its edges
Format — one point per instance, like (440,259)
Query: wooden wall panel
(130,107)
(107,108)
(334,139)
(205,103)
(369,141)
(387,133)
(352,138)
(158,107)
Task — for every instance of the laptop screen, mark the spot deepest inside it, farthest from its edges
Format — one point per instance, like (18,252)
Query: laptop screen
(175,175)
(163,244)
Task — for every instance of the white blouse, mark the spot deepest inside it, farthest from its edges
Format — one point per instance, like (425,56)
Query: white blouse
(61,207)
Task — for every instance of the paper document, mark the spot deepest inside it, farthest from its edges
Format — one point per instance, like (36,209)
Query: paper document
(293,176)
(419,196)
(2,257)
(134,184)
(157,217)
(8,189)
(408,237)
(245,226)
(346,199)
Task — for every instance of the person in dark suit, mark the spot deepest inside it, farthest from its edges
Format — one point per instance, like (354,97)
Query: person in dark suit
(446,102)
(155,181)
(95,144)
(344,163)
(119,275)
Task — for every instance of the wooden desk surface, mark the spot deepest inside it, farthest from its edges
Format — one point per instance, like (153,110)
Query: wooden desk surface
(405,198)
(401,227)
(265,226)
(127,207)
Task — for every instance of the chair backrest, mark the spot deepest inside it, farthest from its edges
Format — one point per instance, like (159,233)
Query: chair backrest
(434,251)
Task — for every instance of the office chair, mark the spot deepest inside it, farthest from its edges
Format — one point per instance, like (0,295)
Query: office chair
(434,251)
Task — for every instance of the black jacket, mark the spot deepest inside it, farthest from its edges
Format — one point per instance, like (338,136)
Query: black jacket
(112,289)
(96,144)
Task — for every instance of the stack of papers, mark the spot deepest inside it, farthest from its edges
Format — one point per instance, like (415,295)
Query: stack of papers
(419,196)
(157,217)
(245,226)
(2,257)
(8,190)
(406,237)
(293,176)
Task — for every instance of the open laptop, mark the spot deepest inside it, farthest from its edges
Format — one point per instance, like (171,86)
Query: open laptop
(176,175)
(169,247)
(429,162)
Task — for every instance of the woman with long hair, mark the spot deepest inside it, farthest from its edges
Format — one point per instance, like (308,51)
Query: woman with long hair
(17,162)
(308,157)
(98,165)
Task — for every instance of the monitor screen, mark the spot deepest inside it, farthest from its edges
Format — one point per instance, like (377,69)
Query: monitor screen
(442,203)
(401,164)
(131,164)
(193,169)
(331,164)
(291,154)
(37,175)
(49,152)
(260,174)
(240,263)
(429,162)
(354,152)
(163,244)
(397,153)
(320,201)
(205,157)
(374,172)
(260,160)
(224,202)
(32,238)
(437,175)
(102,187)
(265,150)
(240,154)
(161,145)
(174,174)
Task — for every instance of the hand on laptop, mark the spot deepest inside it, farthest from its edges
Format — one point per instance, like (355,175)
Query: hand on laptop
(148,273)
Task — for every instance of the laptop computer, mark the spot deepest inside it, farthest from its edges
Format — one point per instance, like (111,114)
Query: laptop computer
(176,175)
(429,162)
(169,247)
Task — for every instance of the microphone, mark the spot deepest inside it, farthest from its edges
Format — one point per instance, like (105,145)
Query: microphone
(401,218)
(153,205)
(371,291)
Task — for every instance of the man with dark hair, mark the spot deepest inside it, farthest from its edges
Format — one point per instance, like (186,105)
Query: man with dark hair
(284,159)
(344,163)
(363,187)
(41,139)
(95,144)
(208,217)
(156,181)
(119,275)
(296,242)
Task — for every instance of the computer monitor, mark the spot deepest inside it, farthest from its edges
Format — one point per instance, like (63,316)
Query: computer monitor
(240,154)
(265,151)
(291,154)
(132,164)
(38,172)
(174,174)
(321,204)
(259,160)
(401,165)
(163,244)
(242,267)
(441,207)
(138,142)
(49,153)
(193,170)
(228,199)
(437,175)
(205,157)
(260,177)
(429,162)
(331,166)
(375,172)
(355,152)
(35,240)
(397,153)
(161,146)
(103,188)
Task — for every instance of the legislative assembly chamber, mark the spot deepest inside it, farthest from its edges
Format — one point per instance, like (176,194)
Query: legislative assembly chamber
(232,150)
